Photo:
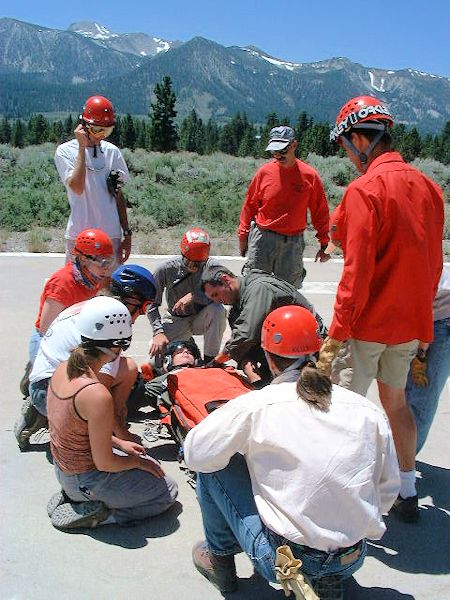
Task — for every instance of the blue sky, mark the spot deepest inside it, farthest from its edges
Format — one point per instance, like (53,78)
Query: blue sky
(394,35)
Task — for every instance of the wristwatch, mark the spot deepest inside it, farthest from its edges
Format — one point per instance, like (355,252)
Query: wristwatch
(127,232)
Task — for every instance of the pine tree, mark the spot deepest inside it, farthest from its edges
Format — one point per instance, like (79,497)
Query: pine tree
(212,133)
(56,133)
(18,134)
(5,131)
(68,128)
(192,134)
(128,137)
(38,129)
(163,134)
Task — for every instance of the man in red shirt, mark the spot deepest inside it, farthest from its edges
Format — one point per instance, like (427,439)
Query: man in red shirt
(274,214)
(390,227)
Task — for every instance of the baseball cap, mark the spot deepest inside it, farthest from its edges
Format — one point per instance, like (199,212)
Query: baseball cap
(279,138)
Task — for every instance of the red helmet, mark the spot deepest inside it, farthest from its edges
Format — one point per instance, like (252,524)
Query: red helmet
(362,109)
(93,242)
(195,245)
(290,331)
(98,110)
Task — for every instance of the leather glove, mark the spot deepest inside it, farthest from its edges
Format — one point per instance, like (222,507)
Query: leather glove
(289,576)
(419,371)
(327,353)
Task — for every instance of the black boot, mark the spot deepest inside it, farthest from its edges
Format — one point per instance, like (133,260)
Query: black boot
(219,570)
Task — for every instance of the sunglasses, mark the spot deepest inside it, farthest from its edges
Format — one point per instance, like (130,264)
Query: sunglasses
(142,307)
(101,261)
(192,263)
(281,152)
(99,131)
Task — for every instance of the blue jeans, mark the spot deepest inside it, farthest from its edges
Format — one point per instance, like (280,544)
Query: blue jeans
(424,401)
(231,522)
(38,395)
(33,345)
(131,495)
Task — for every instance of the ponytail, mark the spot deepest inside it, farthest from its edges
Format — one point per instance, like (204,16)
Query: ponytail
(80,360)
(313,387)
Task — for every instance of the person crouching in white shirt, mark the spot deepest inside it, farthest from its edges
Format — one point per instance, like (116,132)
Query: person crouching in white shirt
(301,463)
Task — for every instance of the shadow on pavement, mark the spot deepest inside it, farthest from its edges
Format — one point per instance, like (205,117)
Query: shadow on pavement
(354,591)
(257,587)
(136,536)
(422,547)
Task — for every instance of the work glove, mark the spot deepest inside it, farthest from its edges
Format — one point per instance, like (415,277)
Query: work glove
(114,182)
(419,371)
(327,354)
(289,576)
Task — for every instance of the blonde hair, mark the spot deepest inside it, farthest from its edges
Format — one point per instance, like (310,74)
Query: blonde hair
(80,361)
(313,387)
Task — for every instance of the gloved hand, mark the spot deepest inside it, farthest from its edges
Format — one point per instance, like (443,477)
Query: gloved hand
(419,371)
(114,182)
(327,353)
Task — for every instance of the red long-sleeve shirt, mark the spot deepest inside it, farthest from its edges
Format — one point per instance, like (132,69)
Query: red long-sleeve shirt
(278,199)
(391,221)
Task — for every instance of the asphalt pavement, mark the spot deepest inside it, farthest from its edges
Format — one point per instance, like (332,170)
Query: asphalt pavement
(153,559)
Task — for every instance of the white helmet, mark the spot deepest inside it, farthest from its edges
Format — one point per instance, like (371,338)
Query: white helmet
(104,323)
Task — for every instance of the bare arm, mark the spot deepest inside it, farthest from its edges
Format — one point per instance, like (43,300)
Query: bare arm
(95,404)
(76,181)
(50,311)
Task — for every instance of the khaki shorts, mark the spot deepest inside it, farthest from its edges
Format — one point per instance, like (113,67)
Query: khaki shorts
(359,363)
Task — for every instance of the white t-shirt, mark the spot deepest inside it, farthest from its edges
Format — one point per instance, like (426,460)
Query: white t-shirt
(61,337)
(95,207)
(321,479)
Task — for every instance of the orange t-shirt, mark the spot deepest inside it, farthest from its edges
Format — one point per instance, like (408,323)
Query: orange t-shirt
(65,289)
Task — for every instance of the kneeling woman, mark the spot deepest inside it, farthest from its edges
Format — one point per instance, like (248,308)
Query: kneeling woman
(98,485)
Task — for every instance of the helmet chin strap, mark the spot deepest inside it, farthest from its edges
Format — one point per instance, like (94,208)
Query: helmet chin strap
(107,351)
(363,156)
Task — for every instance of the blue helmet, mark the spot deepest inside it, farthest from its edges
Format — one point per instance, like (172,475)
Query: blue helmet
(133,280)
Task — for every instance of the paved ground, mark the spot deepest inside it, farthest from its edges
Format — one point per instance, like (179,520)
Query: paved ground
(152,560)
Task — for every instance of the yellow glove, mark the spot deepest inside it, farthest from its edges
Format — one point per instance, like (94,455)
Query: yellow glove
(327,353)
(289,576)
(419,371)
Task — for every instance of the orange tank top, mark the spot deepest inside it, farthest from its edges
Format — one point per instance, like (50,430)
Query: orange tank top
(69,436)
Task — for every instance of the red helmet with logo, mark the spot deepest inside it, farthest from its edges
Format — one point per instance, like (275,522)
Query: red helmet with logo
(290,331)
(362,112)
(195,245)
(93,242)
(98,110)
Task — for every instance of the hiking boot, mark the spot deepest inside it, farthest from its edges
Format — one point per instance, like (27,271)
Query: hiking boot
(56,500)
(25,381)
(219,570)
(330,588)
(29,422)
(74,515)
(407,509)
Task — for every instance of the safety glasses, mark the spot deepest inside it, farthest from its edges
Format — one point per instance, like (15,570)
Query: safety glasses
(98,131)
(192,264)
(281,152)
(105,262)
(141,307)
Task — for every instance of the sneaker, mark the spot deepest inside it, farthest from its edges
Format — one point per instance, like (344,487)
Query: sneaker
(330,588)
(74,515)
(407,509)
(219,570)
(56,500)
(29,422)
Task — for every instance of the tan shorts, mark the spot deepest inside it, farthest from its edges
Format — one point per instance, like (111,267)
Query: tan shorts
(359,363)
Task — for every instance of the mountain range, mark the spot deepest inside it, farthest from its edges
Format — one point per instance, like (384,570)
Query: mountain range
(48,70)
